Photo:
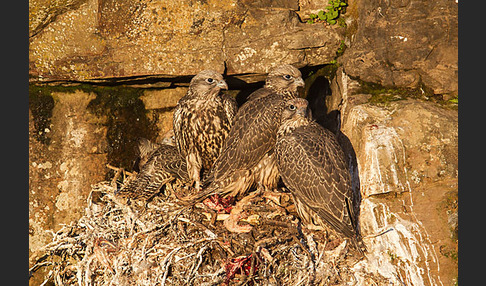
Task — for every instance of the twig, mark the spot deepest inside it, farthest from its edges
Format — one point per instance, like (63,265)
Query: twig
(166,263)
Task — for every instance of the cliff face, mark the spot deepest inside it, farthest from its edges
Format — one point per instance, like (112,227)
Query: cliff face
(100,40)
(400,135)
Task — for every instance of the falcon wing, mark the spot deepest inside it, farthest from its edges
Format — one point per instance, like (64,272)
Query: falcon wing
(163,166)
(230,107)
(178,126)
(312,165)
(251,137)
(259,93)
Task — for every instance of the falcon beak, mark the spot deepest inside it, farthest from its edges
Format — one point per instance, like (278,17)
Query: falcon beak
(303,112)
(222,84)
(299,82)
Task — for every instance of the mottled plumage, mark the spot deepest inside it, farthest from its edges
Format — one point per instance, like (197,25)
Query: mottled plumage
(251,140)
(313,167)
(159,165)
(202,120)
(145,148)
(283,79)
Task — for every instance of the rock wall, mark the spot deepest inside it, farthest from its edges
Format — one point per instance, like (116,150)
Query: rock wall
(104,39)
(135,59)
(406,153)
(67,153)
(404,43)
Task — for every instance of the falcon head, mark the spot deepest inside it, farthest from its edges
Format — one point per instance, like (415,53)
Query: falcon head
(207,83)
(295,114)
(284,79)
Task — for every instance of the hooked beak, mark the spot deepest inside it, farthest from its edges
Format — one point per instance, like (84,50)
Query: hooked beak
(304,112)
(299,82)
(222,85)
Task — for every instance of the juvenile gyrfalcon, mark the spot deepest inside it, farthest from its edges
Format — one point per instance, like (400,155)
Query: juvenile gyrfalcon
(159,165)
(283,79)
(202,120)
(251,140)
(313,167)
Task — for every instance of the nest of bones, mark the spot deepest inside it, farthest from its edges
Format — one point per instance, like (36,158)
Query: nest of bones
(162,241)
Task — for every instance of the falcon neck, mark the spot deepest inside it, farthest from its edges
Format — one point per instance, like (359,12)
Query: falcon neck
(286,93)
(203,95)
(289,125)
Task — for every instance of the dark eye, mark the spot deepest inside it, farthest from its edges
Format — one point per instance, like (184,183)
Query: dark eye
(287,77)
(292,107)
(209,80)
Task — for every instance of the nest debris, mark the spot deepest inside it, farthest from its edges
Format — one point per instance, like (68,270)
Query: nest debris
(164,242)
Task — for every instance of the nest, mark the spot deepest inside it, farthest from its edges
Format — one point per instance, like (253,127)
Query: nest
(163,242)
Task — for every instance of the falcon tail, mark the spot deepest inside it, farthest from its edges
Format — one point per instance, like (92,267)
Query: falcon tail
(344,229)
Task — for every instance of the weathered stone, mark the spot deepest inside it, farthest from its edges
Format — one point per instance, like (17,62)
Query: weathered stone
(406,154)
(266,4)
(61,172)
(43,12)
(308,7)
(103,40)
(160,105)
(162,98)
(404,43)
(264,38)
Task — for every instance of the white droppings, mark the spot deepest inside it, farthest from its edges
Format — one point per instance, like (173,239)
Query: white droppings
(402,38)
(384,152)
(46,165)
(245,54)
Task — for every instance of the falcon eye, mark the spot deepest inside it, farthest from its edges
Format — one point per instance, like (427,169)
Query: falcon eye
(287,77)
(292,107)
(210,80)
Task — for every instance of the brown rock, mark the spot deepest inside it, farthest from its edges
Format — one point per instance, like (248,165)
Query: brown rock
(160,105)
(404,43)
(61,171)
(406,153)
(264,38)
(99,40)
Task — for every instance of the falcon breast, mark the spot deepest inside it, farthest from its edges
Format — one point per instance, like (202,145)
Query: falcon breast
(202,120)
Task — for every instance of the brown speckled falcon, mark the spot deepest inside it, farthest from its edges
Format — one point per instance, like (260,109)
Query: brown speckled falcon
(282,79)
(159,165)
(313,167)
(202,120)
(251,140)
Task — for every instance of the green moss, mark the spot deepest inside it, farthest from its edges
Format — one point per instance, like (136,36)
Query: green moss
(127,121)
(393,256)
(126,116)
(449,253)
(383,95)
(449,206)
(41,104)
(341,49)
(331,14)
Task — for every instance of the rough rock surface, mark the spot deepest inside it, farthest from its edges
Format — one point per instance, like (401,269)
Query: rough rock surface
(406,167)
(61,171)
(404,43)
(402,152)
(102,39)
